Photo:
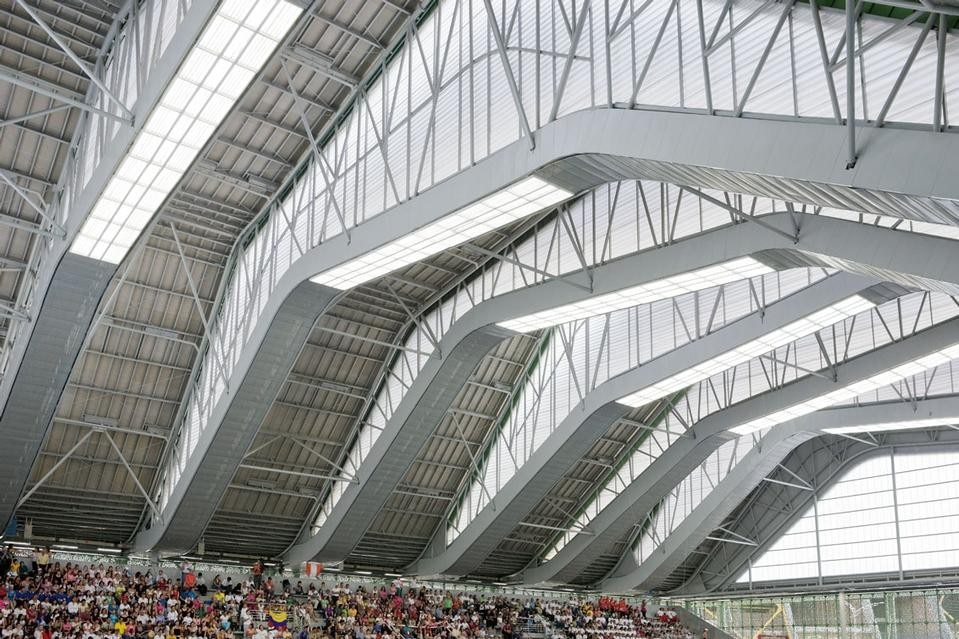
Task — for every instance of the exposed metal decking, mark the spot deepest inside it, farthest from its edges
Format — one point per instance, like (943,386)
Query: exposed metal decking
(212,464)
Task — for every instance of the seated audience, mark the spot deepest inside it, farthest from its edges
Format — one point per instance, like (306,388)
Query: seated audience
(50,599)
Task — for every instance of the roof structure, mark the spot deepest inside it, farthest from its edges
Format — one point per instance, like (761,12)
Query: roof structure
(470,289)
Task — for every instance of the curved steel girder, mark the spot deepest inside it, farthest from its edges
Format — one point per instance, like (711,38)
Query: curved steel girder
(593,147)
(904,257)
(68,288)
(558,453)
(465,343)
(754,468)
(437,384)
(435,387)
(823,461)
(599,410)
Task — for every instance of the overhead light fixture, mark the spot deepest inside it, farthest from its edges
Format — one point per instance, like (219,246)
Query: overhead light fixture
(21,544)
(392,574)
(932,422)
(716,275)
(234,45)
(508,205)
(112,551)
(65,547)
(808,325)
(363,572)
(891,376)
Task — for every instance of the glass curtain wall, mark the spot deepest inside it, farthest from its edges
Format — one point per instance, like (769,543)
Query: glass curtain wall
(920,614)
(893,512)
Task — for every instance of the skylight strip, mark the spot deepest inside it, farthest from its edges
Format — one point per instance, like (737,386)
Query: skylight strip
(891,376)
(882,427)
(513,203)
(235,44)
(808,325)
(700,279)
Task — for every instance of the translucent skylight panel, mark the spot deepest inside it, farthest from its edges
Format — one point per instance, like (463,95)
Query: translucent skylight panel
(775,339)
(197,99)
(673,286)
(895,425)
(513,203)
(857,520)
(892,222)
(238,43)
(885,378)
(216,37)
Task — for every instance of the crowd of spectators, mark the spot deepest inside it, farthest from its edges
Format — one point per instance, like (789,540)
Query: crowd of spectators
(45,599)
(398,611)
(610,618)
(41,598)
